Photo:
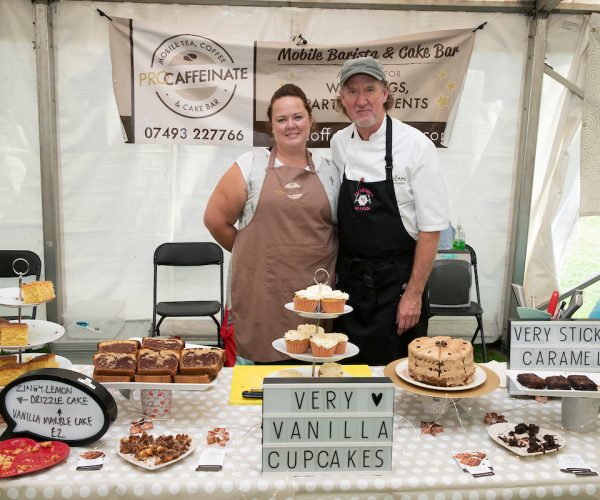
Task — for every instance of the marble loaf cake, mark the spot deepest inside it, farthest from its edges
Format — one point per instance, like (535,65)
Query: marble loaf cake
(151,362)
(163,343)
(115,363)
(202,361)
(441,361)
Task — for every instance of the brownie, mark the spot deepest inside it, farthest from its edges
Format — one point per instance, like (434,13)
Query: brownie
(557,382)
(582,383)
(531,381)
(163,344)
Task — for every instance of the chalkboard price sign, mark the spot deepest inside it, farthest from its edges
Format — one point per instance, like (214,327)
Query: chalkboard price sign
(57,404)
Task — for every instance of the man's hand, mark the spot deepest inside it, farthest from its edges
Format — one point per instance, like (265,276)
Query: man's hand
(409,311)
(409,308)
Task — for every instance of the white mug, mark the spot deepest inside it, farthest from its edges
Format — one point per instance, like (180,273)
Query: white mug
(154,403)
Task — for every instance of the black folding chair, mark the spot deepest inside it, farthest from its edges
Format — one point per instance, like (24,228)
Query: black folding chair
(450,284)
(8,266)
(188,254)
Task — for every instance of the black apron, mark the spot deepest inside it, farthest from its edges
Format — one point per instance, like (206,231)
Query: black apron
(374,265)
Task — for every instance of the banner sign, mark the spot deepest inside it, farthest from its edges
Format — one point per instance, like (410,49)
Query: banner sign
(554,345)
(178,87)
(335,425)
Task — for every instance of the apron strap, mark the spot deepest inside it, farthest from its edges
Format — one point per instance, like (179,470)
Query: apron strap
(389,162)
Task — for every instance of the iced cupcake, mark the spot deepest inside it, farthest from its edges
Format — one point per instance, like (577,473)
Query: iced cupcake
(334,301)
(342,342)
(308,300)
(322,346)
(331,370)
(296,342)
(310,329)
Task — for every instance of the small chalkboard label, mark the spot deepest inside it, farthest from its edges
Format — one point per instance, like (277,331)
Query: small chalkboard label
(335,425)
(554,345)
(57,404)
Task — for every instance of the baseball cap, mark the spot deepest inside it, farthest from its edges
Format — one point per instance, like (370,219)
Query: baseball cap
(361,65)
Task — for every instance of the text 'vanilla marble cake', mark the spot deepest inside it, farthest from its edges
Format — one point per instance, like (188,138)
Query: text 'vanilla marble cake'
(441,361)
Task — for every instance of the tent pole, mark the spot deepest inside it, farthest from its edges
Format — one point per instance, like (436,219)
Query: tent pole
(48,137)
(528,131)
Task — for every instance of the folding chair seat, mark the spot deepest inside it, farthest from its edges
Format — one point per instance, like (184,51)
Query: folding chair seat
(190,254)
(450,285)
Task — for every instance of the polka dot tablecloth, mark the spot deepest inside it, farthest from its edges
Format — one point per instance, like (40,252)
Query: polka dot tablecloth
(423,467)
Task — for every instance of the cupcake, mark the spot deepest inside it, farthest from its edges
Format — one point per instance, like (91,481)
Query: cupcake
(342,342)
(296,342)
(310,329)
(322,346)
(331,370)
(334,301)
(308,300)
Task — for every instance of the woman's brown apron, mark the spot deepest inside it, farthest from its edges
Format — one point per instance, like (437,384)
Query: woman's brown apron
(289,237)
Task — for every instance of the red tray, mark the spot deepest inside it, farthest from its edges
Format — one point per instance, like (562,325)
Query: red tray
(20,456)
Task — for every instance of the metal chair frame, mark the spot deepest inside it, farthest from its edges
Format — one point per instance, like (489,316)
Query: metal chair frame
(190,254)
(7,257)
(473,309)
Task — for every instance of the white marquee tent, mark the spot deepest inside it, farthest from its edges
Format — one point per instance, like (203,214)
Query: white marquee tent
(95,208)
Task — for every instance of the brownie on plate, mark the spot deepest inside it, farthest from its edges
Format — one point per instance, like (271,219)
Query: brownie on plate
(582,383)
(531,381)
(557,382)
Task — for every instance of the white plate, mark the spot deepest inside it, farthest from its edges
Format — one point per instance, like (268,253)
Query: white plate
(62,362)
(149,464)
(164,385)
(351,350)
(563,393)
(402,372)
(502,429)
(317,315)
(40,333)
(9,297)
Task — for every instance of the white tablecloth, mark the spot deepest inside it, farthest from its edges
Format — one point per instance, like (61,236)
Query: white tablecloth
(423,467)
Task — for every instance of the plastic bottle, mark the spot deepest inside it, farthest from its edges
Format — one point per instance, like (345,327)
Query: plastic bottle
(459,238)
(595,314)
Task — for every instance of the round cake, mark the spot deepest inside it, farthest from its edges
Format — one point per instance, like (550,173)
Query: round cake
(441,361)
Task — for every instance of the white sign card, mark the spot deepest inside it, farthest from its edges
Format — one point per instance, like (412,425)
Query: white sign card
(554,345)
(320,425)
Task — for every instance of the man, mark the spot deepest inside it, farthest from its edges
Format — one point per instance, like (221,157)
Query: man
(391,209)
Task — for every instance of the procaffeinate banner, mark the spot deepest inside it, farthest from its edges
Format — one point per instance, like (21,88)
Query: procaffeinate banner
(173,86)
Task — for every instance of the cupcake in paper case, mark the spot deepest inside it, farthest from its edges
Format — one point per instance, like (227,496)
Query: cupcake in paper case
(322,346)
(331,370)
(308,300)
(342,342)
(334,301)
(296,342)
(310,329)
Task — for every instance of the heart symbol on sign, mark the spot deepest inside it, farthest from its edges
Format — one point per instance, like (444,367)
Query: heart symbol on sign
(377,398)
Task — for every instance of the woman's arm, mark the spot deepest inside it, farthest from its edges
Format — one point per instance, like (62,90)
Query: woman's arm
(225,206)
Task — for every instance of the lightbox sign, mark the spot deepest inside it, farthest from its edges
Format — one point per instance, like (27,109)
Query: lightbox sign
(327,425)
(57,404)
(555,345)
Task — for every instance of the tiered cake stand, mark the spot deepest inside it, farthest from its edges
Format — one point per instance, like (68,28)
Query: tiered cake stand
(351,349)
(40,332)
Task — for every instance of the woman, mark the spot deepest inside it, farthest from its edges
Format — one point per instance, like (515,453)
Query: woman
(284,203)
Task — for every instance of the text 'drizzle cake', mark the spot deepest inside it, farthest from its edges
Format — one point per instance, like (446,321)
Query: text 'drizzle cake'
(441,361)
